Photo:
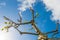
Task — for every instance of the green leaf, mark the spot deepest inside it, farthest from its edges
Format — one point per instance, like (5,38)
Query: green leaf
(2,29)
(5,22)
(37,14)
(9,22)
(6,27)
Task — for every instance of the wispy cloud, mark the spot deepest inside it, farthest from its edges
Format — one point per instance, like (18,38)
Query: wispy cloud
(25,4)
(54,6)
(2,4)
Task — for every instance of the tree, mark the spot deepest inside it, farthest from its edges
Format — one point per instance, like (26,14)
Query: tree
(41,36)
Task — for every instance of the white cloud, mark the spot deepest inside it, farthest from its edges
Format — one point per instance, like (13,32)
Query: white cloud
(25,4)
(2,4)
(54,6)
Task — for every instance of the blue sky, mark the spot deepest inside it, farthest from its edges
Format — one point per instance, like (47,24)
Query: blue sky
(9,9)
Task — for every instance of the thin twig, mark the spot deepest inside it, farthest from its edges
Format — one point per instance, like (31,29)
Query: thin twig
(20,17)
(9,19)
(29,33)
(32,13)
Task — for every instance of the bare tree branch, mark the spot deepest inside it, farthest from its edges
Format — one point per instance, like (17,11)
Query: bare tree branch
(55,31)
(25,32)
(51,32)
(17,23)
(23,23)
(20,17)
(32,13)
(18,30)
(36,29)
(9,19)
(57,25)
(33,22)
(29,33)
